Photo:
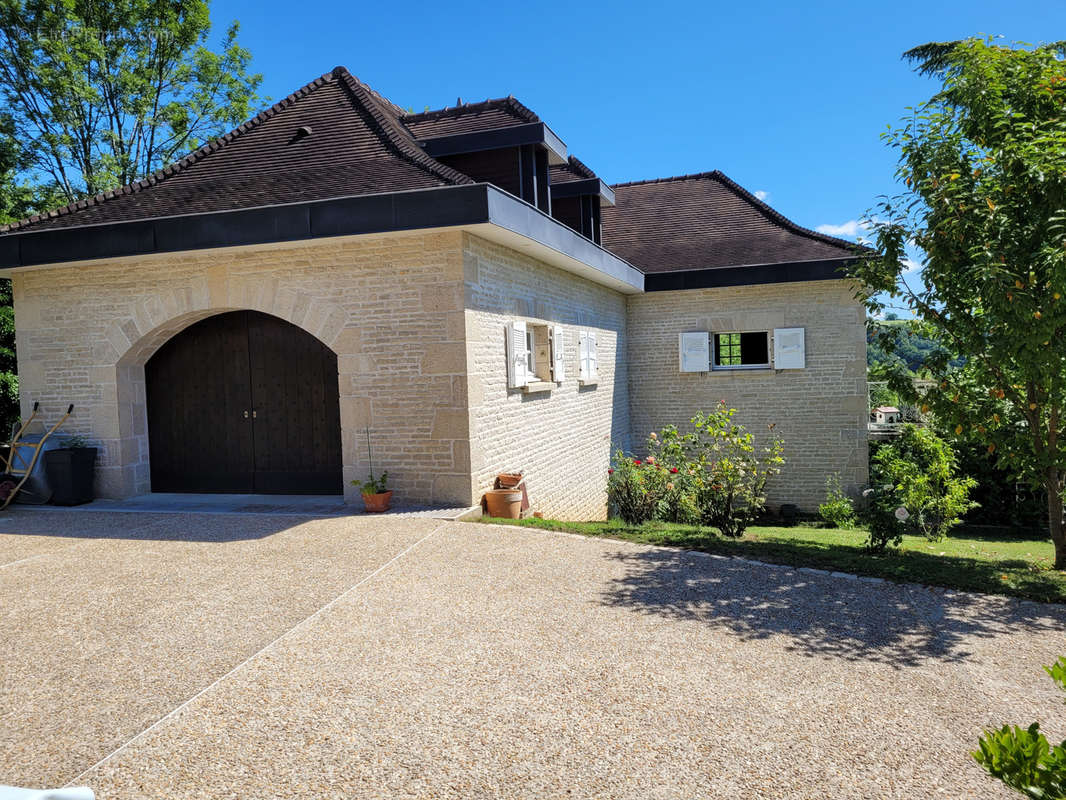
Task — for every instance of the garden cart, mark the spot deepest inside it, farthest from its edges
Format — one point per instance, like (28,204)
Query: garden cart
(23,454)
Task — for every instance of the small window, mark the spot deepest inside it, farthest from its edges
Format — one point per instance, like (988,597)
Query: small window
(531,350)
(533,355)
(741,350)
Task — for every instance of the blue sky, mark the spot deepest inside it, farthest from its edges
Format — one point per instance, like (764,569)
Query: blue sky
(787,98)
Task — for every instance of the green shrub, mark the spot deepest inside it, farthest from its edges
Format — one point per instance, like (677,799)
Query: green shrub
(915,488)
(729,479)
(1022,757)
(837,511)
(634,489)
(708,476)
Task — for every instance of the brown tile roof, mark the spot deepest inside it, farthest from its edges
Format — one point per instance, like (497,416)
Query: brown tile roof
(505,112)
(356,145)
(572,170)
(706,221)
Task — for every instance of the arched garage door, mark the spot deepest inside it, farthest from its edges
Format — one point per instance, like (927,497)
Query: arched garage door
(244,402)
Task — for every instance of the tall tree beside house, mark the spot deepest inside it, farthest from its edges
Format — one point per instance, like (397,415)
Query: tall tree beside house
(100,94)
(105,92)
(18,199)
(983,166)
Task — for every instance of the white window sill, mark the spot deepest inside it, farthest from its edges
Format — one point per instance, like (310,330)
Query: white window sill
(742,368)
(538,386)
(588,381)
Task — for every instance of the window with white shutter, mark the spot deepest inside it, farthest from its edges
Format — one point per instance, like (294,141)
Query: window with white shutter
(789,348)
(517,355)
(694,354)
(558,347)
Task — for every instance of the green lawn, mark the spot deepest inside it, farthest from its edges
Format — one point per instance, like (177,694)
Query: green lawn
(969,561)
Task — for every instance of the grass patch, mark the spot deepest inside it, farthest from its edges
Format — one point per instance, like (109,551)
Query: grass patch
(1017,567)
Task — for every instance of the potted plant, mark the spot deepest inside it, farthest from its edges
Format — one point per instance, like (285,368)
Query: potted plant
(70,471)
(376,495)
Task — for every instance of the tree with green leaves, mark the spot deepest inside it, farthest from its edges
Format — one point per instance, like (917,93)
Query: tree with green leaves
(983,171)
(104,92)
(98,94)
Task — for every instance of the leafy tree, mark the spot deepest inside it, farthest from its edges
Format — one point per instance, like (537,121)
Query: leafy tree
(102,93)
(983,163)
(917,488)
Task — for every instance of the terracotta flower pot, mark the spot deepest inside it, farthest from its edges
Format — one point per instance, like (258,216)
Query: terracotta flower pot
(376,503)
(504,503)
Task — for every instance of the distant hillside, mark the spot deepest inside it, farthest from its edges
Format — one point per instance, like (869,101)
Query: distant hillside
(908,346)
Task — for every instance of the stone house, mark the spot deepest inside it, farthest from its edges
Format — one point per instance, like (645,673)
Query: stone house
(453,282)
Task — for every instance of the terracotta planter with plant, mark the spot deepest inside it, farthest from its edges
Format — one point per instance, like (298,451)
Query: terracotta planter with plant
(377,497)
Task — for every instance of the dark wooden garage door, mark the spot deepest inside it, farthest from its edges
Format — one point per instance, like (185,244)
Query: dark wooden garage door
(244,402)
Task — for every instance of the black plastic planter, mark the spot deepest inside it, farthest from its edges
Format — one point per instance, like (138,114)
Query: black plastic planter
(70,474)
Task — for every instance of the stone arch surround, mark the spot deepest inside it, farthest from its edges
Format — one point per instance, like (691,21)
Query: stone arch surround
(323,320)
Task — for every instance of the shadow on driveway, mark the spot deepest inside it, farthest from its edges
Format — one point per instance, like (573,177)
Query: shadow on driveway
(900,625)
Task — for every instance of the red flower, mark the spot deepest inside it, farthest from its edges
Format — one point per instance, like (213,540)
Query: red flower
(610,472)
(673,470)
(637,461)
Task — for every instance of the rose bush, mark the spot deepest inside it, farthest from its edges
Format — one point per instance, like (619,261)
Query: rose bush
(710,475)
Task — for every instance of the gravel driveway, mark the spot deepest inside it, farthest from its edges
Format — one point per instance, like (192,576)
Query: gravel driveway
(255,656)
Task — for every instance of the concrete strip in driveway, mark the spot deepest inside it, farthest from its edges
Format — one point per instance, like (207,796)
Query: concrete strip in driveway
(114,620)
(497,662)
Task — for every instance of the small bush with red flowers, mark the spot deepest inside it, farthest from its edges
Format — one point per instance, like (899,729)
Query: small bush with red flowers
(710,475)
(634,489)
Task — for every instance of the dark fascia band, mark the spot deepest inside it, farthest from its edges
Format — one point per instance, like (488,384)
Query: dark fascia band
(291,222)
(583,187)
(797,271)
(442,207)
(496,139)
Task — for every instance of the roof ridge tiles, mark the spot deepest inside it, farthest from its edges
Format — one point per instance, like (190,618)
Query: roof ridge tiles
(393,135)
(402,141)
(469,108)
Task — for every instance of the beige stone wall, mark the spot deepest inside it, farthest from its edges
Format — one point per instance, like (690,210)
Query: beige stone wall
(560,439)
(820,411)
(389,306)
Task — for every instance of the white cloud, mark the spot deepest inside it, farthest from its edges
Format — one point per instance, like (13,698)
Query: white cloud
(762,194)
(852,228)
(911,265)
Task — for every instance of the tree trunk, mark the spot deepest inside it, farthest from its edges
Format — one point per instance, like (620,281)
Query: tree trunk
(1055,516)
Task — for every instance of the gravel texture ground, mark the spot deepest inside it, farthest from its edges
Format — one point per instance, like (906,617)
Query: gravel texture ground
(192,656)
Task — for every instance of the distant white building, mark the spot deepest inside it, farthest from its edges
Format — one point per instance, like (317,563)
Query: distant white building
(886,415)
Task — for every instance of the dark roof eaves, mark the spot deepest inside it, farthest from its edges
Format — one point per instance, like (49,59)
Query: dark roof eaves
(755,265)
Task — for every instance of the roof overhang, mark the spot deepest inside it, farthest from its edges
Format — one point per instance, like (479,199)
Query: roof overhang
(583,187)
(497,139)
(749,275)
(479,208)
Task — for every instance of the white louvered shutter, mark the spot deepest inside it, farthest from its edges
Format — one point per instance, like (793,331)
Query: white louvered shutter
(517,355)
(558,348)
(694,352)
(790,350)
(587,356)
